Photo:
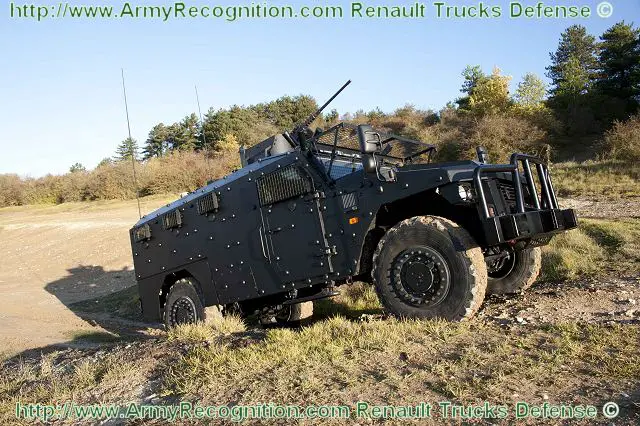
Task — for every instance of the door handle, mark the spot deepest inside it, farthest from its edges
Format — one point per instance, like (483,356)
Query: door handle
(264,251)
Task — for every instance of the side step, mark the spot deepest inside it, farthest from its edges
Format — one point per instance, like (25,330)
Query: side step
(322,295)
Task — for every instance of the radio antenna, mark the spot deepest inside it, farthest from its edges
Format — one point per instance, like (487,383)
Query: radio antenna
(204,136)
(133,154)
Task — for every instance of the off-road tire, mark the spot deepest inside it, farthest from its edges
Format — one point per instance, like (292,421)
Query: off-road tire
(524,273)
(296,313)
(444,240)
(183,304)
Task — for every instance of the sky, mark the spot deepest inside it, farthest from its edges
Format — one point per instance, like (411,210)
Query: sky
(61,98)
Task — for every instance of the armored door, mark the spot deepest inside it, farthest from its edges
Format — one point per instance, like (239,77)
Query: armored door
(293,228)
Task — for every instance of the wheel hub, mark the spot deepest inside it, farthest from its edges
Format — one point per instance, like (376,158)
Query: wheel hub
(502,266)
(183,311)
(421,276)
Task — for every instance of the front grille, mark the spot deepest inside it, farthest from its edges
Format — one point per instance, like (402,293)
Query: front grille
(508,193)
(283,184)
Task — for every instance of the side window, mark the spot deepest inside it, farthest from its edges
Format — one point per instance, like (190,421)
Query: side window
(283,184)
(340,167)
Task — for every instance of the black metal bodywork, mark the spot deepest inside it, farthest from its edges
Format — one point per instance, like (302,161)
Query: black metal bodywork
(291,222)
(287,227)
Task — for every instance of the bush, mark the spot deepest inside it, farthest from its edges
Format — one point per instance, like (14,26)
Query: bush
(622,142)
(458,135)
(175,173)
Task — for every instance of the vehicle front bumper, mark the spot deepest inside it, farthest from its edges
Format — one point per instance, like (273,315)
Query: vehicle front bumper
(537,225)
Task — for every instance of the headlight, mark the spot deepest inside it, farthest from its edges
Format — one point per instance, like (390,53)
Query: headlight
(465,192)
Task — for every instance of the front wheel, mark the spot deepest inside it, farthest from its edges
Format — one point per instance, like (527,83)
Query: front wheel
(429,267)
(515,272)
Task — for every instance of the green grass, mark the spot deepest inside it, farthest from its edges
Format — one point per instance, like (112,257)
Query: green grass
(597,179)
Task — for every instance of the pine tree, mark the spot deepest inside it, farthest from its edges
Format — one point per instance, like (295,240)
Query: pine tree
(158,142)
(77,167)
(127,149)
(573,62)
(619,66)
(188,136)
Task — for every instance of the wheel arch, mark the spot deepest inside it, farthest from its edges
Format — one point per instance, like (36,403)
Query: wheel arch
(431,202)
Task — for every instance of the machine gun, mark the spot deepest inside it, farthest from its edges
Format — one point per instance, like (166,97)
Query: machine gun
(286,141)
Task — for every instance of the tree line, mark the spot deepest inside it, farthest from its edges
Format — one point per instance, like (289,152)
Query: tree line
(594,83)
(589,110)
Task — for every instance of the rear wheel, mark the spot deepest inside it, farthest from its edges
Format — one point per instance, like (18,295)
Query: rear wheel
(184,305)
(515,272)
(429,267)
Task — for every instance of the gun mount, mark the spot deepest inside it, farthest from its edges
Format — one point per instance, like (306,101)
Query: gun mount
(287,141)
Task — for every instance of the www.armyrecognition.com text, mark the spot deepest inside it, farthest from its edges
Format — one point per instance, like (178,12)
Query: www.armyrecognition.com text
(312,10)
(270,411)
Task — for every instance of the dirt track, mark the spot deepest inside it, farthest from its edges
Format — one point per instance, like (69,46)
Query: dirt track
(54,256)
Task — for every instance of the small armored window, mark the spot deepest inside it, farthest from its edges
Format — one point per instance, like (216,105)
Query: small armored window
(142,233)
(283,184)
(208,203)
(173,219)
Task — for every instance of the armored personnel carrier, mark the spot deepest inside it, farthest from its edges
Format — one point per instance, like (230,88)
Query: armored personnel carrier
(310,211)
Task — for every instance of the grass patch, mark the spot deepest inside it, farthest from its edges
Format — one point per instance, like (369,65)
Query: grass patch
(403,362)
(123,303)
(597,179)
(71,375)
(596,246)
(89,336)
(202,332)
(354,301)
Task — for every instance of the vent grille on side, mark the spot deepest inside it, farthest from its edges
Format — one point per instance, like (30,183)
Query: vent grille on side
(142,233)
(283,184)
(349,201)
(208,203)
(172,219)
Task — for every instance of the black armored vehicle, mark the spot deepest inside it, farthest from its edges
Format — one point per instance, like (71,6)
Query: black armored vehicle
(310,211)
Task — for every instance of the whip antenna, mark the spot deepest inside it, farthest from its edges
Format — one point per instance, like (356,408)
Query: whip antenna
(204,136)
(133,156)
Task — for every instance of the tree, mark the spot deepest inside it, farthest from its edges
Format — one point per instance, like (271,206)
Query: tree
(473,75)
(188,135)
(228,144)
(287,111)
(332,117)
(619,66)
(105,162)
(77,167)
(127,149)
(574,63)
(530,92)
(158,142)
(490,95)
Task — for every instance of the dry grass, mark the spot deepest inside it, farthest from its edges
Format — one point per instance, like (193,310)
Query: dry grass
(597,179)
(405,362)
(596,246)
